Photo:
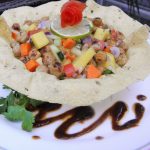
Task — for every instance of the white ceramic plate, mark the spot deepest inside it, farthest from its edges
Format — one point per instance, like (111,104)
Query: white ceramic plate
(12,137)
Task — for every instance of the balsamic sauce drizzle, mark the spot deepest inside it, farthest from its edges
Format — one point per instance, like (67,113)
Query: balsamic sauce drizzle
(83,113)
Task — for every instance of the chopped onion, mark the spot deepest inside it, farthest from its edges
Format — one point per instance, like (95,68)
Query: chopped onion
(44,25)
(87,40)
(53,37)
(96,46)
(25,27)
(99,45)
(76,51)
(57,42)
(115,51)
(55,51)
(102,44)
(47,33)
(119,42)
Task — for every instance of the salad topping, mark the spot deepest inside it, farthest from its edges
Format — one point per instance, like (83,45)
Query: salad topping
(99,52)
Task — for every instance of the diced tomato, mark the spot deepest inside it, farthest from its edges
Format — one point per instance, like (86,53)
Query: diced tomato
(70,57)
(81,6)
(69,70)
(107,49)
(14,35)
(71,13)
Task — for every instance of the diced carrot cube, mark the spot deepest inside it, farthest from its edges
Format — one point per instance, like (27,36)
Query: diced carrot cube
(31,65)
(69,43)
(107,49)
(25,49)
(93,72)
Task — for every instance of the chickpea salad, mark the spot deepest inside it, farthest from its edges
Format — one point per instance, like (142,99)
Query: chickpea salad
(98,52)
(90,57)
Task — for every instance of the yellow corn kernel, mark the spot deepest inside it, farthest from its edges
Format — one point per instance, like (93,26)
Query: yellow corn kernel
(39,39)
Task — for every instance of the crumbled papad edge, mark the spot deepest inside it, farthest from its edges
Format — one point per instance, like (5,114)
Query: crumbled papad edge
(76,92)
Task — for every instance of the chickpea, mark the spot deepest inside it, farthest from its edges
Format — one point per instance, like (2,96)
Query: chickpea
(16,49)
(22,37)
(54,71)
(42,68)
(48,58)
(97,22)
(122,60)
(25,59)
(16,26)
(34,54)
(100,56)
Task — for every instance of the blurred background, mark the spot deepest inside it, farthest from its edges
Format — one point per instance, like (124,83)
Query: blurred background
(138,9)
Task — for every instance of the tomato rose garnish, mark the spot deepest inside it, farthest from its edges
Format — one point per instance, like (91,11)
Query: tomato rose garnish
(71,13)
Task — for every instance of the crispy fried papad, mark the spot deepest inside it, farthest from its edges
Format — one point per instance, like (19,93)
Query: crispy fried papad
(77,92)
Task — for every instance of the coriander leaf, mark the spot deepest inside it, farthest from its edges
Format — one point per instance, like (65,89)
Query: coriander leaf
(28,121)
(35,103)
(19,113)
(3,105)
(107,71)
(6,87)
(11,99)
(14,113)
(23,100)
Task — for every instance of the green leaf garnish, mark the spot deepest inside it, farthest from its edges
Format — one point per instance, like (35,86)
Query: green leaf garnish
(18,113)
(3,105)
(11,99)
(107,71)
(28,121)
(13,107)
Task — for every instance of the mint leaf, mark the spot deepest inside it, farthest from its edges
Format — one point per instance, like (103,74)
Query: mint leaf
(3,105)
(18,113)
(107,71)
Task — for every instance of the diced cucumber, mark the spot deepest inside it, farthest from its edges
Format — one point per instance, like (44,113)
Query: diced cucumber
(57,42)
(55,50)
(60,55)
(76,51)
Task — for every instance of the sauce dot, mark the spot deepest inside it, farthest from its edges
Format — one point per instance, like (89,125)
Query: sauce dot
(141,97)
(98,137)
(35,137)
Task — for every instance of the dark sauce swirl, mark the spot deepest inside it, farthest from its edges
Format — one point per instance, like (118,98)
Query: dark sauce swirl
(83,113)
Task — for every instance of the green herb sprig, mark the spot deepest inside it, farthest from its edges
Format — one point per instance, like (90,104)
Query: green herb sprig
(13,107)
